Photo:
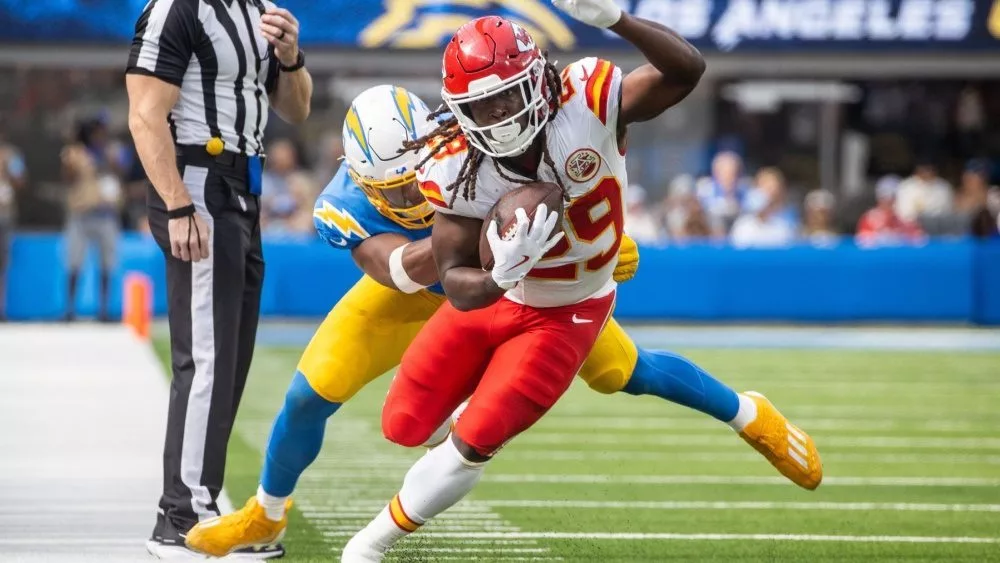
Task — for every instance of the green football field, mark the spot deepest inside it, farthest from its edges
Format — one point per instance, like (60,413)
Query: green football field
(910,443)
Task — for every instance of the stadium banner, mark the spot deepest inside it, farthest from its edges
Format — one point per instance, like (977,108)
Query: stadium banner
(712,25)
(954,281)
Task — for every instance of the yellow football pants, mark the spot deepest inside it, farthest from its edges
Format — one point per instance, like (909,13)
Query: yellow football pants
(368,330)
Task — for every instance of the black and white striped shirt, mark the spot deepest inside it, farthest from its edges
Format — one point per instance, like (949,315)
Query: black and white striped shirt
(214,51)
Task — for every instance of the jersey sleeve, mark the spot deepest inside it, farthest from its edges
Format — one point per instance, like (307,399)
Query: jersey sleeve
(437,176)
(342,213)
(337,224)
(594,86)
(165,36)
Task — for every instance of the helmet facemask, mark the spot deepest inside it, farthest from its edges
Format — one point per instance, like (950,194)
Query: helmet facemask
(508,137)
(390,198)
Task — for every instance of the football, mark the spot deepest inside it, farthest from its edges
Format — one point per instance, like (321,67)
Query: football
(527,196)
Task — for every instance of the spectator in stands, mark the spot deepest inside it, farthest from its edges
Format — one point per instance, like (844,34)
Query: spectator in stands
(767,226)
(92,216)
(331,150)
(819,208)
(278,203)
(12,178)
(972,203)
(640,223)
(769,182)
(303,193)
(881,225)
(923,195)
(685,217)
(723,193)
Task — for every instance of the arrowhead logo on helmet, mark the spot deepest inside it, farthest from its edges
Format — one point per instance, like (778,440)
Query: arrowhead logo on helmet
(524,41)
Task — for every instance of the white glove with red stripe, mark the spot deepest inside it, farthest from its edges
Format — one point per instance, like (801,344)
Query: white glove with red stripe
(514,256)
(598,13)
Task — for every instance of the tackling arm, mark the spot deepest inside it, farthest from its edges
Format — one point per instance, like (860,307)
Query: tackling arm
(393,261)
(456,252)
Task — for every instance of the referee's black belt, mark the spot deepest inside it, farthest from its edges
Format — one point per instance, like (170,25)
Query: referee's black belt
(196,155)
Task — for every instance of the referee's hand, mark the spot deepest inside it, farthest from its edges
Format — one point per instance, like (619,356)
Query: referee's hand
(281,29)
(189,238)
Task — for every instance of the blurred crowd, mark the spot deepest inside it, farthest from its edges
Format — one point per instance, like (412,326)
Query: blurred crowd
(759,210)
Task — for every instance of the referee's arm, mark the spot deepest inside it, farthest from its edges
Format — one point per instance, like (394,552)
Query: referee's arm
(156,68)
(290,92)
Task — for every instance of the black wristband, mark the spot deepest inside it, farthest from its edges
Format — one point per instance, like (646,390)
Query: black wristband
(300,62)
(186,211)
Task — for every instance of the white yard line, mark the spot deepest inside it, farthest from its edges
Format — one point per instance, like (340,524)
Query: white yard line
(727,439)
(716,537)
(739,480)
(749,505)
(747,455)
(560,421)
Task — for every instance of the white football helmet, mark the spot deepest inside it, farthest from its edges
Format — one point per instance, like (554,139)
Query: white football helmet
(379,121)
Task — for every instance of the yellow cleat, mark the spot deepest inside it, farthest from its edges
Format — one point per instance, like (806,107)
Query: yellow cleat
(787,447)
(247,527)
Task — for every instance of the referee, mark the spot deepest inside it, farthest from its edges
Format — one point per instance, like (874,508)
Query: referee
(201,75)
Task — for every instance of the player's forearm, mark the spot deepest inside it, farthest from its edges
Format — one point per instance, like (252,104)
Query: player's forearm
(677,60)
(155,146)
(410,271)
(470,288)
(293,95)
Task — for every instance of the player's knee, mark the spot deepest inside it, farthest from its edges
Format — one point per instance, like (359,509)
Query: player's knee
(483,435)
(403,428)
(303,402)
(607,381)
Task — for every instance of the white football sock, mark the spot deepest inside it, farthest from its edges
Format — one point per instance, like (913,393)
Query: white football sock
(273,506)
(435,482)
(745,415)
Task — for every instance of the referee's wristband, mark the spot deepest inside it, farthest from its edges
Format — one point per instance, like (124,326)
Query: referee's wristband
(180,212)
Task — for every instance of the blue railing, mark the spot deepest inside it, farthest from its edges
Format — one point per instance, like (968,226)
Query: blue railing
(950,282)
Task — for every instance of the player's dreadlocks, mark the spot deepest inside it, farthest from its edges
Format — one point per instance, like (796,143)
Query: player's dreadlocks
(449,130)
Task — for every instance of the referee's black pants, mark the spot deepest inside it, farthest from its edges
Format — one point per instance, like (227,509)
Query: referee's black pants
(213,308)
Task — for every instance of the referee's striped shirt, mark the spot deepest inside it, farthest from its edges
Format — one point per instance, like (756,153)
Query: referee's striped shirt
(214,51)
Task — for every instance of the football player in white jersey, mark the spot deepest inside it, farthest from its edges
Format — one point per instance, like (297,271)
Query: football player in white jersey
(511,339)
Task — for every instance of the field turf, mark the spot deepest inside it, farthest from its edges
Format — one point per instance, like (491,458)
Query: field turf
(910,443)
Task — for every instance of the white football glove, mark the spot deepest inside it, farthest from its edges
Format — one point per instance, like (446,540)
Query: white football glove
(515,256)
(598,13)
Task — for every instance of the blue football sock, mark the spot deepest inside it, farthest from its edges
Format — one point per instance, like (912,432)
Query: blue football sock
(296,437)
(679,380)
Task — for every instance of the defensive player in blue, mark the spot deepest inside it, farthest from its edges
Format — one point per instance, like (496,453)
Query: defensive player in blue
(374,209)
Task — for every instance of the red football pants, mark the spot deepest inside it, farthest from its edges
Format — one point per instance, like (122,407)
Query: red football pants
(513,360)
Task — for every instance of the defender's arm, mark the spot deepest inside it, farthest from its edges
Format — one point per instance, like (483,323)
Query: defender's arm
(393,261)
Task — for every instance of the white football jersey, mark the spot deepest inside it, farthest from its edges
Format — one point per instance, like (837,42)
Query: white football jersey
(582,140)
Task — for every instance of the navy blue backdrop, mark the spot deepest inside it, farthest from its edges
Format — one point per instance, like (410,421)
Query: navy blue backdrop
(744,25)
(940,282)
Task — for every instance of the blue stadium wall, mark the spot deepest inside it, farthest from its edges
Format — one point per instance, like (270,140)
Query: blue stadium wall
(943,282)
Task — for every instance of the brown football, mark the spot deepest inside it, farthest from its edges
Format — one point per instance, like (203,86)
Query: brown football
(527,196)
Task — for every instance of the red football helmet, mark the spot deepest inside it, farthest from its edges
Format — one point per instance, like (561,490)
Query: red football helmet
(486,57)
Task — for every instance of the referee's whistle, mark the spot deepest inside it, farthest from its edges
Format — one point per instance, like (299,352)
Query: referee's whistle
(214,146)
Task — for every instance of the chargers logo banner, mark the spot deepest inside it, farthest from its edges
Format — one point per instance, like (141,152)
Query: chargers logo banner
(712,25)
